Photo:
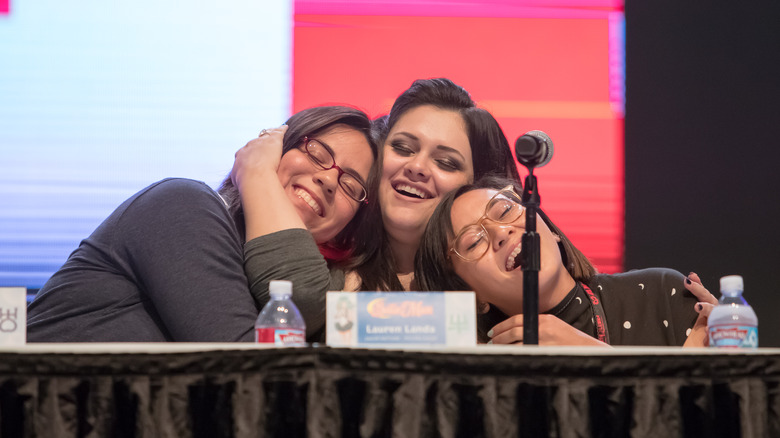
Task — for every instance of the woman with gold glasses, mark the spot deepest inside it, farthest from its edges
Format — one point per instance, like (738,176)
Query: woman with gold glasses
(472,242)
(179,261)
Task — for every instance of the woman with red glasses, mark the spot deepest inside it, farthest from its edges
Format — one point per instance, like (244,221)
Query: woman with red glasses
(472,242)
(179,261)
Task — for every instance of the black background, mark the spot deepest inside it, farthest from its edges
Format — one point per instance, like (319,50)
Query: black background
(702,138)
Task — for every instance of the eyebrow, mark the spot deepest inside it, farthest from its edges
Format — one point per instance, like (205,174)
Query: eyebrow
(348,170)
(440,147)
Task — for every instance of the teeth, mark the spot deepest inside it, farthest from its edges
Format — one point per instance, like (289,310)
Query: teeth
(412,190)
(312,203)
(510,261)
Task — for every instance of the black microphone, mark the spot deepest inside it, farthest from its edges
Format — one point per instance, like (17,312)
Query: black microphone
(534,149)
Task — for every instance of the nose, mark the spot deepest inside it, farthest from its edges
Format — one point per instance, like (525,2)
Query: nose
(499,233)
(327,179)
(416,168)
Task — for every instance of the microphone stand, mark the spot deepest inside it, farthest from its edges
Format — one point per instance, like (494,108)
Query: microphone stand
(530,249)
(533,149)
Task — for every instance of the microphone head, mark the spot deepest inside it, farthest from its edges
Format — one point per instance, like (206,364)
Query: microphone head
(534,149)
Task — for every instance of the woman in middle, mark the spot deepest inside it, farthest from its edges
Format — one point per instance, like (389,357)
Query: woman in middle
(433,141)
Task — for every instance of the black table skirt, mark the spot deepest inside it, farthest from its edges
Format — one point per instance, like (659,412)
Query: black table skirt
(324,392)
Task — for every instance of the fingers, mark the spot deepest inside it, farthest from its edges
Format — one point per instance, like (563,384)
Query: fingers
(271,137)
(507,324)
(704,309)
(271,131)
(698,336)
(260,156)
(693,284)
(552,331)
(511,336)
(508,331)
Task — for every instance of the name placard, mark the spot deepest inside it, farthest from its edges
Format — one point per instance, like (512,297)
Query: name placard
(360,319)
(13,315)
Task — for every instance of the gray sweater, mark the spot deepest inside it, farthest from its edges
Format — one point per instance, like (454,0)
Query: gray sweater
(169,265)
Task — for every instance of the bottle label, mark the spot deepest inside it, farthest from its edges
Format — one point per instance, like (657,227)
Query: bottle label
(280,336)
(733,336)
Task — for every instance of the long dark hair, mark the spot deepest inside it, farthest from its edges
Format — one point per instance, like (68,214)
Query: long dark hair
(311,122)
(433,268)
(490,154)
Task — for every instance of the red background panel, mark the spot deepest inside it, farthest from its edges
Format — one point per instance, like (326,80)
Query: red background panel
(504,58)
(551,74)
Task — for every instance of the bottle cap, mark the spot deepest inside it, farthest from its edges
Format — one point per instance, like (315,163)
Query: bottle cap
(279,288)
(731,283)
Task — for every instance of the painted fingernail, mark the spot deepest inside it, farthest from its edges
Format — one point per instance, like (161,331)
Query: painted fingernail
(490,333)
(687,280)
(490,341)
(699,307)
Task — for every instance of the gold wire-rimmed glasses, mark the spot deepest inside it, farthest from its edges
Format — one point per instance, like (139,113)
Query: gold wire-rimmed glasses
(473,241)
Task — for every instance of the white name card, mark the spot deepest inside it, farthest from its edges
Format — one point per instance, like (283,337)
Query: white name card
(13,315)
(361,319)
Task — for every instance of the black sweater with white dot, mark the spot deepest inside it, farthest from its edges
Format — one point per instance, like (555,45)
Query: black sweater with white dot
(642,307)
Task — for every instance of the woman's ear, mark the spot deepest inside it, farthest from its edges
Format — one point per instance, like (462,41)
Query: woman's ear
(557,237)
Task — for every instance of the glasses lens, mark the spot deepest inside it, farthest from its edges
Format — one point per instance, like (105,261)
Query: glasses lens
(319,154)
(472,242)
(322,157)
(504,208)
(352,187)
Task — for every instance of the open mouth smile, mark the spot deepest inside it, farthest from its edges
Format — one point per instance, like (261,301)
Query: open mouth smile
(514,260)
(303,194)
(412,192)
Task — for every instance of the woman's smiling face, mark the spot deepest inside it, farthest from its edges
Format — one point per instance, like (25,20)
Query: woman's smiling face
(426,155)
(315,192)
(497,277)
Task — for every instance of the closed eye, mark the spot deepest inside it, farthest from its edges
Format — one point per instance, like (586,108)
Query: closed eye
(475,243)
(472,239)
(500,209)
(401,149)
(449,164)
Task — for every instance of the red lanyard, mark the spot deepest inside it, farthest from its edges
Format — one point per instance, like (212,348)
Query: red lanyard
(599,319)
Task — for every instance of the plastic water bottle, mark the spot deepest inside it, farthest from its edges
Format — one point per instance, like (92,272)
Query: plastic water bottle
(280,322)
(733,323)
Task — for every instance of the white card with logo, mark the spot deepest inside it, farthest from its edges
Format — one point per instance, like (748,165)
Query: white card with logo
(359,319)
(13,316)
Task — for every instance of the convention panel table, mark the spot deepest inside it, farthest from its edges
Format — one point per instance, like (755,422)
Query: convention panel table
(236,390)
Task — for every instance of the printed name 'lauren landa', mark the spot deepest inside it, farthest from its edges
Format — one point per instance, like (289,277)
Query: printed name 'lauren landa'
(396,329)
